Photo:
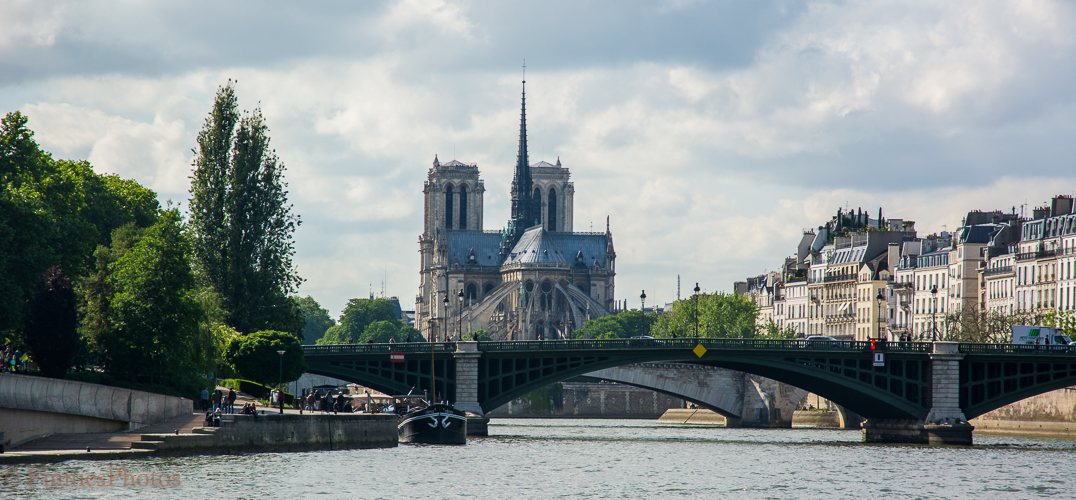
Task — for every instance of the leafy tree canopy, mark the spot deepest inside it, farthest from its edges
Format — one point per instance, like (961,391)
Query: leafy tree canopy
(317,319)
(357,315)
(254,357)
(242,221)
(154,313)
(721,315)
(54,212)
(623,325)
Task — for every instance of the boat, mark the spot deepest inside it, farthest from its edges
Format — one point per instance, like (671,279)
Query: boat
(421,422)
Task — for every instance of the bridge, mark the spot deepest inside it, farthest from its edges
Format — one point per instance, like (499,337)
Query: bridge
(924,392)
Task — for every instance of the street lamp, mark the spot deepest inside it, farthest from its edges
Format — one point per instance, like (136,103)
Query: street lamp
(696,297)
(642,307)
(459,319)
(881,315)
(934,314)
(281,395)
(444,332)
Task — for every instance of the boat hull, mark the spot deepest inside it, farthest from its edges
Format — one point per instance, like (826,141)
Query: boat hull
(436,424)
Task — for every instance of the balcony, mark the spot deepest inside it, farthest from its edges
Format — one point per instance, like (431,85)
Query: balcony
(832,278)
(1042,254)
(994,271)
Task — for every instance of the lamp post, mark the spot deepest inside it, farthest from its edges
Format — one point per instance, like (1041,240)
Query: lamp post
(696,297)
(642,308)
(881,316)
(934,314)
(459,318)
(281,395)
(444,329)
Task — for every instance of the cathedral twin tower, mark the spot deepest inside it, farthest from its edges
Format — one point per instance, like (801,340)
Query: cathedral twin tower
(535,279)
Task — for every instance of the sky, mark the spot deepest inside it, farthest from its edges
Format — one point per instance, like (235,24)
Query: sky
(711,133)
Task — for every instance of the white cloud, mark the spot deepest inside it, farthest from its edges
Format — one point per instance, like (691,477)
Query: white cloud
(708,168)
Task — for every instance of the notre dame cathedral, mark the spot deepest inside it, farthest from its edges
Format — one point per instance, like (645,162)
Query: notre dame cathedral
(535,279)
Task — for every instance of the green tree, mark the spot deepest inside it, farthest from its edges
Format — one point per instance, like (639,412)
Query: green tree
(623,325)
(254,357)
(242,221)
(721,315)
(54,212)
(357,315)
(155,314)
(51,326)
(317,319)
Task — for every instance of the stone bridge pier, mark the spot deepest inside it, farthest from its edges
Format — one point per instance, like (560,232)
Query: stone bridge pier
(945,423)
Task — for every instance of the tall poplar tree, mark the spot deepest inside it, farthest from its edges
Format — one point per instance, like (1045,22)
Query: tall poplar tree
(242,221)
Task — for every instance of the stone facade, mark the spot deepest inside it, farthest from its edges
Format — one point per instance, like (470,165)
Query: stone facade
(535,279)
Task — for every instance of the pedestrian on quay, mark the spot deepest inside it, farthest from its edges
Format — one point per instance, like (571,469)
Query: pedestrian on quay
(217,397)
(205,399)
(310,401)
(231,400)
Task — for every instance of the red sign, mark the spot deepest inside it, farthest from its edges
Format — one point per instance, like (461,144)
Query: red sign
(396,357)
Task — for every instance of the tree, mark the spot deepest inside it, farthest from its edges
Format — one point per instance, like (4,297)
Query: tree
(154,313)
(55,212)
(51,326)
(254,357)
(623,325)
(317,319)
(721,315)
(241,219)
(356,316)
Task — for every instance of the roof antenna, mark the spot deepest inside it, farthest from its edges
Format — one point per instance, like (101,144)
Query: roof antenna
(524,70)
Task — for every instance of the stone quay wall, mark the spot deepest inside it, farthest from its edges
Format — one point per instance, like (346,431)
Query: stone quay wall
(31,407)
(280,433)
(1052,413)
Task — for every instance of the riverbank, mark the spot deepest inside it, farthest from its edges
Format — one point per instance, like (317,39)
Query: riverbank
(238,434)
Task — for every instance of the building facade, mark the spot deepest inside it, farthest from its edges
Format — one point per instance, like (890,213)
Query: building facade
(534,279)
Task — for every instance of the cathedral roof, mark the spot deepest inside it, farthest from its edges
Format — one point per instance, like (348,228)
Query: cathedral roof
(540,246)
(535,247)
(543,164)
(486,246)
(456,163)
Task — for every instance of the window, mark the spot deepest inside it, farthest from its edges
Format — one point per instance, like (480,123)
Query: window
(448,207)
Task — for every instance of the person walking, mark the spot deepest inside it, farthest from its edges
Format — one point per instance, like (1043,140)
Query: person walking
(231,400)
(205,399)
(217,397)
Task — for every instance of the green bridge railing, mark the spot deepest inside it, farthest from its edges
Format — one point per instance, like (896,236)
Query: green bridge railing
(688,343)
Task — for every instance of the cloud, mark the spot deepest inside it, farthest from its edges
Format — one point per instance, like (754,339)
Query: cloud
(712,133)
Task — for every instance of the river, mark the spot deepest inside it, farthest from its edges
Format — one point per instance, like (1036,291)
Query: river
(560,458)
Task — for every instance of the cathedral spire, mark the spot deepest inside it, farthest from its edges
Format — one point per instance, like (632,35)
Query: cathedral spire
(524,212)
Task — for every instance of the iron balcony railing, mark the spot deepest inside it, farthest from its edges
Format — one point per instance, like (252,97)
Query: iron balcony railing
(1042,254)
(994,271)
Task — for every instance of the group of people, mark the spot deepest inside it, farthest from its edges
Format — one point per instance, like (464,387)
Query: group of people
(14,360)
(225,402)
(327,403)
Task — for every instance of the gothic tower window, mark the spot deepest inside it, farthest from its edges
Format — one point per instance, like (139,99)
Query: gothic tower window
(472,294)
(463,207)
(551,216)
(537,200)
(448,207)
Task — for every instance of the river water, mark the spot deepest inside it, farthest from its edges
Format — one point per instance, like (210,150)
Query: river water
(558,458)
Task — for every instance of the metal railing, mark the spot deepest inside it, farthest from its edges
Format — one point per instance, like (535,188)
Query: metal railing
(314,350)
(688,344)
(1061,350)
(993,271)
(1042,254)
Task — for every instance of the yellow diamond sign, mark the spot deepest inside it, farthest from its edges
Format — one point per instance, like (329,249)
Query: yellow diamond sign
(699,350)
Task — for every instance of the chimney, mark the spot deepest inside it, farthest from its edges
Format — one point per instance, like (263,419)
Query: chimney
(1061,205)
